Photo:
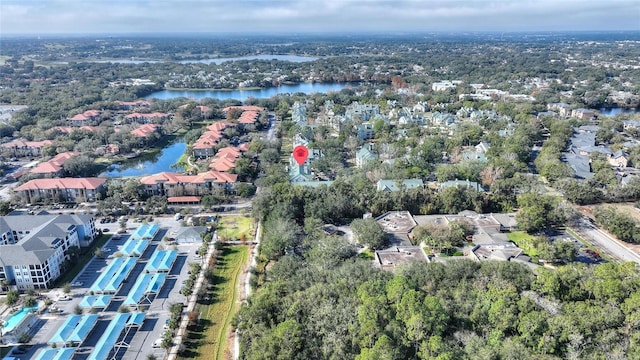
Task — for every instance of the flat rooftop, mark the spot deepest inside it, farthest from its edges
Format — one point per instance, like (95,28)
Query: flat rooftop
(396,222)
(399,255)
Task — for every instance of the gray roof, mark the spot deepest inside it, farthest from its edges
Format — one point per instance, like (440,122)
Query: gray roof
(39,244)
(191,232)
(579,164)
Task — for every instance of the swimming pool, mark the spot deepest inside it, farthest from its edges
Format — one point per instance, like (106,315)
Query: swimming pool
(14,320)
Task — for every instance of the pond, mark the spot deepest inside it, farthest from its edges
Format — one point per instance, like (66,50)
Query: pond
(613,111)
(162,161)
(242,95)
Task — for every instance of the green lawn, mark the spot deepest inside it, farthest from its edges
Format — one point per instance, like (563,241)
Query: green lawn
(235,227)
(85,257)
(208,340)
(524,241)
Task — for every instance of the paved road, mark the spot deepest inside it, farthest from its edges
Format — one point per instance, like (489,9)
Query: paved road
(612,246)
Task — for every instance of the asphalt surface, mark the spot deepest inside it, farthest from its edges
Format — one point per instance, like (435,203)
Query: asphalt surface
(612,247)
(140,340)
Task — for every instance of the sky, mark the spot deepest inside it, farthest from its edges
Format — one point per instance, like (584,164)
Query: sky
(313,16)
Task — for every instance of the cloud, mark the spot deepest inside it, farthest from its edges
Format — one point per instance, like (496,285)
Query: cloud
(122,16)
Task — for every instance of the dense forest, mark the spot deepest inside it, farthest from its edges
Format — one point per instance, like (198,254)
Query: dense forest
(324,304)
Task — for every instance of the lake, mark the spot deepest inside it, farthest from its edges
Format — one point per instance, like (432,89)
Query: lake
(613,111)
(159,163)
(242,95)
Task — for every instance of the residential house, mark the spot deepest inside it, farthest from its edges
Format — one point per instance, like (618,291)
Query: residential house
(69,129)
(619,159)
(225,159)
(55,166)
(130,105)
(365,155)
(204,147)
(462,184)
(365,131)
(361,112)
(563,109)
(248,118)
(580,164)
(173,184)
(583,114)
(631,124)
(84,118)
(25,148)
(441,119)
(150,118)
(299,114)
(146,131)
(396,185)
(62,190)
(34,247)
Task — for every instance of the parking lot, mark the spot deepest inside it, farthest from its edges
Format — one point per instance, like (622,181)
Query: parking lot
(157,312)
(583,254)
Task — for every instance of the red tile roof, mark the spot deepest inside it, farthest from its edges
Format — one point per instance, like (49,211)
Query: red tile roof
(87,115)
(248,117)
(54,165)
(207,140)
(174,179)
(145,130)
(62,183)
(244,108)
(222,164)
(26,144)
(149,116)
(183,199)
(219,126)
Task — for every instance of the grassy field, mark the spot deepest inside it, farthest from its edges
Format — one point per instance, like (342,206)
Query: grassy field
(524,242)
(235,227)
(208,339)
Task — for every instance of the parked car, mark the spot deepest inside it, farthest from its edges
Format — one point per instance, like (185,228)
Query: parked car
(77,284)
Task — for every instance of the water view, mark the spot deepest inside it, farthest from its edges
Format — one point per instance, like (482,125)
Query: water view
(240,94)
(164,161)
(613,111)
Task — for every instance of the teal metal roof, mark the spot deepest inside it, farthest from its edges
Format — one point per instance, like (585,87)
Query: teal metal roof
(81,331)
(109,337)
(161,260)
(111,278)
(114,284)
(64,331)
(136,319)
(146,284)
(56,354)
(134,247)
(99,301)
(146,232)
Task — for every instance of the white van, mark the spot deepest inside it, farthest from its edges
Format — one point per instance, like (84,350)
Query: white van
(157,343)
(178,216)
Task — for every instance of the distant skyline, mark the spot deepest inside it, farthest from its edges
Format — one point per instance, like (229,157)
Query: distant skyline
(42,17)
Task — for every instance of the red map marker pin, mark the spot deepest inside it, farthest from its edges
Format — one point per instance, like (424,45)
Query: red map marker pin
(300,154)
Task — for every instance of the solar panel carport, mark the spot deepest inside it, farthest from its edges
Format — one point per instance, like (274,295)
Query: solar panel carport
(95,301)
(146,286)
(74,329)
(109,340)
(56,354)
(146,232)
(161,261)
(111,278)
(134,247)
